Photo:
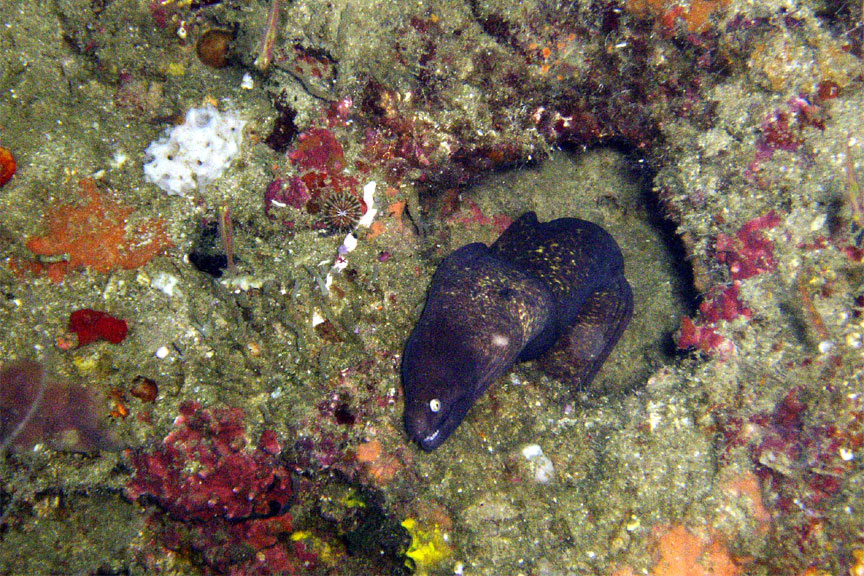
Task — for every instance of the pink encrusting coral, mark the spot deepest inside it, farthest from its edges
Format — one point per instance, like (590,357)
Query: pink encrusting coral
(800,462)
(213,495)
(322,184)
(747,254)
(318,149)
(721,304)
(293,193)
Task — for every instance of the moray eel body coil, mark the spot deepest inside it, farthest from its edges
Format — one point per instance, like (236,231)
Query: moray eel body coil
(551,291)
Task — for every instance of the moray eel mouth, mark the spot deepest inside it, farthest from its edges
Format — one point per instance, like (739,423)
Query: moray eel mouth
(429,430)
(432,441)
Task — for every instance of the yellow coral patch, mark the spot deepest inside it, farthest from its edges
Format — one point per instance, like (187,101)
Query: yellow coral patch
(351,500)
(428,548)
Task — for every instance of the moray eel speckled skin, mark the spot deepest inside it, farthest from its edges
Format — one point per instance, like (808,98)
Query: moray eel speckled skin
(553,291)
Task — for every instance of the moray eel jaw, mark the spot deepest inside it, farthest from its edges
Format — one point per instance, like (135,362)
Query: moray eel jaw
(430,429)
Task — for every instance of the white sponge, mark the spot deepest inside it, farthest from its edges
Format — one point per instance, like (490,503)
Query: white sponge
(195,153)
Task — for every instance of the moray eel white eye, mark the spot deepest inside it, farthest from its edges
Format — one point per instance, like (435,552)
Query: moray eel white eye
(435,405)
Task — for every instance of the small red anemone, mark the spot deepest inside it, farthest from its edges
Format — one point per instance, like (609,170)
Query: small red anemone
(92,325)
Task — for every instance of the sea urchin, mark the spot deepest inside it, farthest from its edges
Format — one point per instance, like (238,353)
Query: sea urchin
(341,210)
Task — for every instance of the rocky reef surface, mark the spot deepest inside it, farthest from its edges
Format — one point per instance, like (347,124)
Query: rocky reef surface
(247,419)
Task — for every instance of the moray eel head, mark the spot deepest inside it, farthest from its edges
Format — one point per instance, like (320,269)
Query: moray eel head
(438,385)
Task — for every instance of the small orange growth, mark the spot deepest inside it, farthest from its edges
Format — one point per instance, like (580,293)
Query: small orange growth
(93,235)
(697,17)
(120,411)
(695,14)
(379,466)
(397,209)
(647,8)
(683,553)
(66,342)
(747,486)
(368,452)
(857,569)
(375,229)
(813,571)
(7,166)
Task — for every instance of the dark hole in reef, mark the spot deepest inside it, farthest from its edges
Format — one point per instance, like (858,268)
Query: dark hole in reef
(841,16)
(212,264)
(344,415)
(284,129)
(667,230)
(798,323)
(196,4)
(836,206)
(5,502)
(370,533)
(207,254)
(276,508)
(107,571)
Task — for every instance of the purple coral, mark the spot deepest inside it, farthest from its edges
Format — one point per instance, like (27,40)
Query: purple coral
(36,410)
(293,193)
(212,495)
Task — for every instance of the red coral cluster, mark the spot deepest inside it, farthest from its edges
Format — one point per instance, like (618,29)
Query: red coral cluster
(469,213)
(321,185)
(723,305)
(801,466)
(784,130)
(318,149)
(801,463)
(748,253)
(401,137)
(213,497)
(94,325)
(778,134)
(804,459)
(7,166)
(404,145)
(293,193)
